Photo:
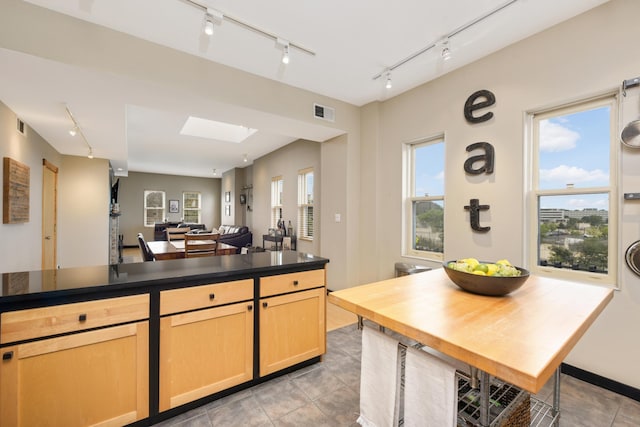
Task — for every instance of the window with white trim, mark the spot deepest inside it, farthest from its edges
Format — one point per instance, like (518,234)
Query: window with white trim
(276,200)
(305,204)
(573,198)
(424,208)
(154,205)
(191,206)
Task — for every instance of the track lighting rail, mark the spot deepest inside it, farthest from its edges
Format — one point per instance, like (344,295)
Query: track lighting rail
(252,28)
(445,38)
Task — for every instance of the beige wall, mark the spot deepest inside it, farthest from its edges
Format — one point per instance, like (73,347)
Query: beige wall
(131,200)
(233,182)
(83,204)
(83,212)
(573,60)
(286,162)
(361,172)
(21,244)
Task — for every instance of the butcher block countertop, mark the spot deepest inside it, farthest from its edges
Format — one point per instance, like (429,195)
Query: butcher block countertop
(521,338)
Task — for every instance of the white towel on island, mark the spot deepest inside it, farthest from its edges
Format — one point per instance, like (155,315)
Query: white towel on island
(379,380)
(430,391)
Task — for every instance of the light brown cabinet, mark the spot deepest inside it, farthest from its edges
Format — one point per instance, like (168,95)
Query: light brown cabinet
(292,321)
(205,350)
(88,377)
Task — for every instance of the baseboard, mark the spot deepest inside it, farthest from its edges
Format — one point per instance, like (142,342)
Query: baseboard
(602,382)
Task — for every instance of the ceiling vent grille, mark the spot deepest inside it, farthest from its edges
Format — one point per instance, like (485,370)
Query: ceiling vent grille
(324,113)
(22,128)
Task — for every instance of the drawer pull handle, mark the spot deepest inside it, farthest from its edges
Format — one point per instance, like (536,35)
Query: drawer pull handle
(264,304)
(212,296)
(295,283)
(249,307)
(82,318)
(7,356)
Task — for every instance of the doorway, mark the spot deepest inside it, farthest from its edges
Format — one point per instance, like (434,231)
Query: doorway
(49,214)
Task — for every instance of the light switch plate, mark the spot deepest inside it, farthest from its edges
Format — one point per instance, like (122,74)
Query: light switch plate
(337,217)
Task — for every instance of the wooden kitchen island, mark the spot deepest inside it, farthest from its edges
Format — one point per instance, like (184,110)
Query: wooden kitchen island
(521,338)
(134,344)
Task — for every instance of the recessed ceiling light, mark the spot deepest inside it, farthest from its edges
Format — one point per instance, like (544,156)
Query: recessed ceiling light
(211,129)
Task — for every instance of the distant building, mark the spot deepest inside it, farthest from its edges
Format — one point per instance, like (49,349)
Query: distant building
(557,214)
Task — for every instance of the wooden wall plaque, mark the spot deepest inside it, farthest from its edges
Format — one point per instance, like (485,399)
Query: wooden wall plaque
(15,195)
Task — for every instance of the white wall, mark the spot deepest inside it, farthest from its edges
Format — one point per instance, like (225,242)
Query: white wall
(572,60)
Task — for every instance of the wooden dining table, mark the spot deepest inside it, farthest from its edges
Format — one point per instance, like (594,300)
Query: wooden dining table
(162,249)
(521,338)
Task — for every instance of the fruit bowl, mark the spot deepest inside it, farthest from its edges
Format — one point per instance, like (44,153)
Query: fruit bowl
(486,285)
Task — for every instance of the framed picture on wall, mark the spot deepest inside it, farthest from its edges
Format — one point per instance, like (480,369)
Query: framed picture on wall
(227,210)
(227,196)
(174,206)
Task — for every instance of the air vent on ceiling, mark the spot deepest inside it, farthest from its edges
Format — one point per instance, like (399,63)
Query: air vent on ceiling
(324,113)
(22,128)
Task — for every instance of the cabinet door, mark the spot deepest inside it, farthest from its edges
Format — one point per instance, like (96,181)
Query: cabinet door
(205,351)
(292,329)
(97,378)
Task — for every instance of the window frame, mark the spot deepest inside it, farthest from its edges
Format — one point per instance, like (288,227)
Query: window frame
(304,233)
(532,245)
(186,208)
(146,208)
(277,188)
(410,198)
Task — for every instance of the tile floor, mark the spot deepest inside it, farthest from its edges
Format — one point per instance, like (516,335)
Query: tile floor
(327,394)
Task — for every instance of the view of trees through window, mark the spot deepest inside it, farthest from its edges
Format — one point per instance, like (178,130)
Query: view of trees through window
(191,206)
(576,239)
(426,195)
(429,226)
(574,186)
(154,204)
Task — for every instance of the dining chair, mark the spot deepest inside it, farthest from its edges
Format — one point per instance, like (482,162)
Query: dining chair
(176,233)
(145,252)
(200,244)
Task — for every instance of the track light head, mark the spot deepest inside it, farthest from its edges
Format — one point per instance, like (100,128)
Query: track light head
(90,155)
(245,159)
(208,25)
(211,17)
(73,131)
(446,52)
(284,44)
(388,85)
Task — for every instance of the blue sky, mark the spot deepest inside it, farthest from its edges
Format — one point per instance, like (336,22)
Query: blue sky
(574,149)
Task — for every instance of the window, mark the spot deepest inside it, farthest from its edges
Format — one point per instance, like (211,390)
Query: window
(424,224)
(305,204)
(191,202)
(573,197)
(276,200)
(154,204)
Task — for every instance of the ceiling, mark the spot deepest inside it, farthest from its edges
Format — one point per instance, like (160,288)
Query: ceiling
(352,42)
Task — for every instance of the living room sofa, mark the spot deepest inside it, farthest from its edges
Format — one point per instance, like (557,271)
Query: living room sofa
(235,235)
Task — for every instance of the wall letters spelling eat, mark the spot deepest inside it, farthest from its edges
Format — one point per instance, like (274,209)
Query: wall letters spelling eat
(474,207)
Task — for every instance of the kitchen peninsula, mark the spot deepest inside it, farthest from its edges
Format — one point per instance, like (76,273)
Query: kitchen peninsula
(138,343)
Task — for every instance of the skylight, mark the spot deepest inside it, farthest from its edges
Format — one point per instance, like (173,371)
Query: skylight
(210,129)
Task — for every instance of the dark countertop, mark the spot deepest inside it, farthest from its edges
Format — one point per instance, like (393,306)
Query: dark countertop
(132,278)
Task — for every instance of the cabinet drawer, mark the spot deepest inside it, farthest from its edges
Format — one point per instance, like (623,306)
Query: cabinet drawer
(194,297)
(47,321)
(284,283)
